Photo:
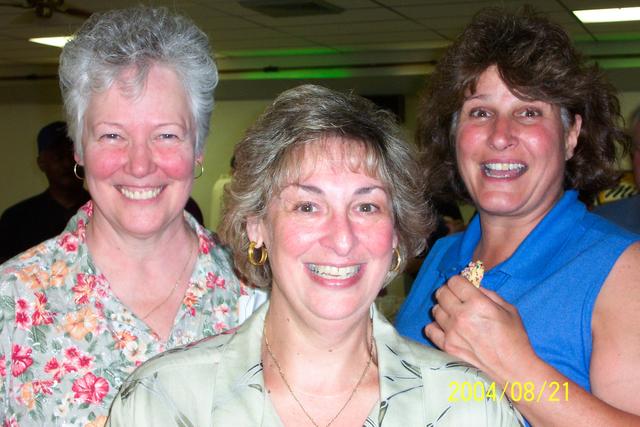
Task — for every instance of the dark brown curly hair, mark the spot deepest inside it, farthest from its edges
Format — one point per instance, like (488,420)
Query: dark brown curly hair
(537,61)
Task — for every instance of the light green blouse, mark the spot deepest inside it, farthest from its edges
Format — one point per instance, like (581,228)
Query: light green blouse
(218,382)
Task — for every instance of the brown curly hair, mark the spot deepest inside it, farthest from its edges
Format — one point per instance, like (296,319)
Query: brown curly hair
(537,61)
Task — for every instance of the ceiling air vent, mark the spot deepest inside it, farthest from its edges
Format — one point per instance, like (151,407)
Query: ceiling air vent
(289,8)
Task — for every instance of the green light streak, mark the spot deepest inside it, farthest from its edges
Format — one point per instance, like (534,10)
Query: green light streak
(308,73)
(615,63)
(315,51)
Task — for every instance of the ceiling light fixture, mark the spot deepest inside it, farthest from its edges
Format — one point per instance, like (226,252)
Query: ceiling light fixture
(617,14)
(52,41)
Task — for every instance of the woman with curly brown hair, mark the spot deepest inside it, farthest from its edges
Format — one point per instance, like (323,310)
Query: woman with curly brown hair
(515,122)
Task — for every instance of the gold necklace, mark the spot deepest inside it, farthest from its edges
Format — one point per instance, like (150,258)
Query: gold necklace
(175,286)
(284,379)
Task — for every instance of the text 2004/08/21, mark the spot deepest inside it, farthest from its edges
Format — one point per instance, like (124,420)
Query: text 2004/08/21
(515,391)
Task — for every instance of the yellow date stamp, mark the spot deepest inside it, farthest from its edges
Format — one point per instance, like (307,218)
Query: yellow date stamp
(549,391)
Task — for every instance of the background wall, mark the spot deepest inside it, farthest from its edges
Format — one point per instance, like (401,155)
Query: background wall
(19,125)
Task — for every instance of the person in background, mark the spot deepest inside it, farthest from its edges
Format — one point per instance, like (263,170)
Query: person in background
(133,274)
(41,217)
(516,122)
(325,206)
(626,212)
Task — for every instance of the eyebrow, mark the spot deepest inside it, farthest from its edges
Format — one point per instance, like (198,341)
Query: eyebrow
(316,190)
(476,96)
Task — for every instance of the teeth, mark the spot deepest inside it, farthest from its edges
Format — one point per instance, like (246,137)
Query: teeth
(140,194)
(503,170)
(332,272)
(504,166)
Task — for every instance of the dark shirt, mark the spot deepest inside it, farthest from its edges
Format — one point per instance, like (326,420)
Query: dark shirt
(32,221)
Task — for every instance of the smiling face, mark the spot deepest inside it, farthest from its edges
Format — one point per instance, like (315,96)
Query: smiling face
(511,152)
(329,235)
(139,155)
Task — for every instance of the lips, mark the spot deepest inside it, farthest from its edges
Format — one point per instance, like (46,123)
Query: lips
(332,272)
(140,193)
(503,170)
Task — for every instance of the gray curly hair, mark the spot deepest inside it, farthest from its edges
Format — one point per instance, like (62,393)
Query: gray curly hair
(139,37)
(267,156)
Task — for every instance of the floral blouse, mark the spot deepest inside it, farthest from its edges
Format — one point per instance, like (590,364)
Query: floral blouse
(67,343)
(219,382)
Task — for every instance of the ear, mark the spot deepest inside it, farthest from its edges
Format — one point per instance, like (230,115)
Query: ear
(255,230)
(395,239)
(77,158)
(41,163)
(571,139)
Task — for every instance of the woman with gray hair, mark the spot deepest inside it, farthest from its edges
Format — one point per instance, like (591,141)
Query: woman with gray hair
(325,207)
(133,274)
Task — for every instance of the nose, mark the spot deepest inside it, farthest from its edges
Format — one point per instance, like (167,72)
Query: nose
(502,136)
(340,236)
(141,162)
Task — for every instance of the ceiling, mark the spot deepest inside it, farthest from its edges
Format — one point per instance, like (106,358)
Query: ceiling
(373,46)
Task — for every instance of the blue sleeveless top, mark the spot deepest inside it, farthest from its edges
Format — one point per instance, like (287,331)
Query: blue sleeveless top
(553,279)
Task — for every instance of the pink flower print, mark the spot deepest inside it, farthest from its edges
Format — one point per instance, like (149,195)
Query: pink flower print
(205,243)
(11,422)
(72,353)
(88,209)
(90,389)
(221,311)
(21,359)
(220,327)
(83,290)
(85,361)
(3,369)
(22,304)
(23,320)
(55,368)
(42,387)
(214,281)
(40,315)
(68,241)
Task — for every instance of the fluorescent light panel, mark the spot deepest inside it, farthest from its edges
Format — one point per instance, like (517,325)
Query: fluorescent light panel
(618,14)
(52,41)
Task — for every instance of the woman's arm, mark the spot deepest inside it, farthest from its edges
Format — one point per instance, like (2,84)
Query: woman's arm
(615,361)
(481,328)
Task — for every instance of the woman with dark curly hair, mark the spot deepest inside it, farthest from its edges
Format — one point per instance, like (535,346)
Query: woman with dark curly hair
(514,121)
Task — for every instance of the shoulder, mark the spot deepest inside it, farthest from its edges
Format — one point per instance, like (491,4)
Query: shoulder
(454,392)
(38,258)
(442,245)
(176,366)
(606,229)
(25,205)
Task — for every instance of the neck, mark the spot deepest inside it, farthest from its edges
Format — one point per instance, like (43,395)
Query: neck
(502,235)
(337,350)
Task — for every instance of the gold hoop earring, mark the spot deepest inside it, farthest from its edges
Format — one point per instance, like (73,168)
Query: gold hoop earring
(199,163)
(251,254)
(398,262)
(75,172)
